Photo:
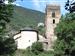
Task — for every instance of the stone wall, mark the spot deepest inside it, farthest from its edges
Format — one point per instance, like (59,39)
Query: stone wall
(50,25)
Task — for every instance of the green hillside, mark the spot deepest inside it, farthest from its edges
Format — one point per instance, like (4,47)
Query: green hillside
(26,17)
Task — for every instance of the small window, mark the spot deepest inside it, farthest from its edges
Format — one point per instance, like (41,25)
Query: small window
(53,14)
(29,40)
(53,21)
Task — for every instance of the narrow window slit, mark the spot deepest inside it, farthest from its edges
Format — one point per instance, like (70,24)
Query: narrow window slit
(53,21)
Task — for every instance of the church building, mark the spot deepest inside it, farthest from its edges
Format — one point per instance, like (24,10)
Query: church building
(26,37)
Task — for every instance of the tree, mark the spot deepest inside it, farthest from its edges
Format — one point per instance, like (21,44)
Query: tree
(65,31)
(7,43)
(70,6)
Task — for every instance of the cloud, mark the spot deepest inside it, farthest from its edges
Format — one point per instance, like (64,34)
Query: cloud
(17,4)
(39,4)
(36,4)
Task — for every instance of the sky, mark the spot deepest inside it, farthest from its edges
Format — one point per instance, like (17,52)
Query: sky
(40,5)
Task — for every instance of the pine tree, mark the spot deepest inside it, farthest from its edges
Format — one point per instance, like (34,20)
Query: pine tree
(70,6)
(7,43)
(65,31)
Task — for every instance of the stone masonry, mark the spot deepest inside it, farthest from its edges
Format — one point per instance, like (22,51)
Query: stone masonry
(52,19)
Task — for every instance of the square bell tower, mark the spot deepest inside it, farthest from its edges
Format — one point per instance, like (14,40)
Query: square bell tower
(51,20)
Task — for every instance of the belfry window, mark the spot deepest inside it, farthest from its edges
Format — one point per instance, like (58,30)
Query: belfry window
(53,21)
(53,14)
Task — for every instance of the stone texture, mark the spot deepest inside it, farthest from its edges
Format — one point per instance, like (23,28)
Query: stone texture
(50,26)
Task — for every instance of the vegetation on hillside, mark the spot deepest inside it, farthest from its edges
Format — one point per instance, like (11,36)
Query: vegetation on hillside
(24,17)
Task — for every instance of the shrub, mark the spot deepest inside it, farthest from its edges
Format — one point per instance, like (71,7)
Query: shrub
(37,48)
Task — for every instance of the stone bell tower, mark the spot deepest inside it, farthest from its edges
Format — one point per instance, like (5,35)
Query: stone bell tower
(52,19)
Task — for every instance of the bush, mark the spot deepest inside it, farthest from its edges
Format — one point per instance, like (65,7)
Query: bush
(37,48)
